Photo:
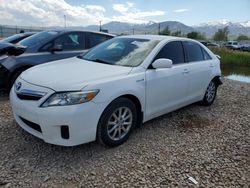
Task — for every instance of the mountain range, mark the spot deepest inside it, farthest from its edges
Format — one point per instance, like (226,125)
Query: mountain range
(208,28)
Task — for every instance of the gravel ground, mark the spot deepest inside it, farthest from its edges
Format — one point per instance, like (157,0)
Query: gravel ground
(210,144)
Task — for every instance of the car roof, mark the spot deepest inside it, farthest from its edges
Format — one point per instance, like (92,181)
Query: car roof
(79,30)
(29,33)
(156,37)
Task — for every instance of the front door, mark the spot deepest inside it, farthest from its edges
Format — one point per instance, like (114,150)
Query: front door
(166,89)
(72,43)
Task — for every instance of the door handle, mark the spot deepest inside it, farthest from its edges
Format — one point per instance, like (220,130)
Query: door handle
(211,65)
(186,71)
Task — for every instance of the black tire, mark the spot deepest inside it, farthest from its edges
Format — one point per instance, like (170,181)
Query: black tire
(104,131)
(210,94)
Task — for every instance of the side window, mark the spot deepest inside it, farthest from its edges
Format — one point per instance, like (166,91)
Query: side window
(173,51)
(94,39)
(47,47)
(206,56)
(71,41)
(193,51)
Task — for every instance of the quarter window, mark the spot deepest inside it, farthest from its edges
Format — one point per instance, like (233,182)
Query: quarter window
(206,56)
(172,50)
(193,51)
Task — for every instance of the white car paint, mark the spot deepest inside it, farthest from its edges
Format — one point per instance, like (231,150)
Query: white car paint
(158,90)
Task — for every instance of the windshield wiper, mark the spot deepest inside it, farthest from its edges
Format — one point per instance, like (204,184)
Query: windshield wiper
(101,61)
(96,60)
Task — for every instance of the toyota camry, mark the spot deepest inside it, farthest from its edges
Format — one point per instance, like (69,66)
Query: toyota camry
(104,94)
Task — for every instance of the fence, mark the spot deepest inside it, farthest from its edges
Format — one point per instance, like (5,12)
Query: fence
(7,30)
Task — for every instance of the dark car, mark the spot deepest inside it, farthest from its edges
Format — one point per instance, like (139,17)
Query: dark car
(246,48)
(17,37)
(44,47)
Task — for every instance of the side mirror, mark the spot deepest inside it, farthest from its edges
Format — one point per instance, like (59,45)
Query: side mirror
(218,56)
(57,48)
(162,63)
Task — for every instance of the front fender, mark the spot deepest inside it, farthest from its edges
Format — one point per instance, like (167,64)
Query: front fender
(126,85)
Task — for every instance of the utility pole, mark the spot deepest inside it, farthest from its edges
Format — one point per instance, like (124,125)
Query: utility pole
(159,28)
(64,20)
(100,29)
(1,36)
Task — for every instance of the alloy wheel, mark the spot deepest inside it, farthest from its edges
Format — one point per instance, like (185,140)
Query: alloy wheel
(119,123)
(210,93)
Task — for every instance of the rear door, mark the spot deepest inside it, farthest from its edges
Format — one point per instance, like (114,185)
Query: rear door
(166,89)
(200,69)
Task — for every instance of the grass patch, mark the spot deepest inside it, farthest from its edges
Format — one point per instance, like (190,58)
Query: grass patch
(232,56)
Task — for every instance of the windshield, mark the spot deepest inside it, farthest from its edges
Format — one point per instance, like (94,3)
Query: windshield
(38,38)
(121,51)
(13,38)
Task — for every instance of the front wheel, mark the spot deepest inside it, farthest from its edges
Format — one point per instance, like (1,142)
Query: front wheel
(210,94)
(117,122)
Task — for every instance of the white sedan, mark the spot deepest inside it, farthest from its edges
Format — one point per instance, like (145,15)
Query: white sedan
(105,93)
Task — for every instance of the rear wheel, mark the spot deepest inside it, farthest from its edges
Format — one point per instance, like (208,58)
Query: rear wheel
(210,94)
(117,122)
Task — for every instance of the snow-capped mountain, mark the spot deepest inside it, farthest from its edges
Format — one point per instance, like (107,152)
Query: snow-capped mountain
(235,28)
(245,24)
(216,23)
(209,28)
(146,28)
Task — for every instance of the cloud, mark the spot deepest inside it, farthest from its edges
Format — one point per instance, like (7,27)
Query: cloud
(51,13)
(123,8)
(181,10)
(133,15)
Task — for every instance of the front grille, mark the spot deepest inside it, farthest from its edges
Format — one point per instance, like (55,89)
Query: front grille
(28,97)
(31,124)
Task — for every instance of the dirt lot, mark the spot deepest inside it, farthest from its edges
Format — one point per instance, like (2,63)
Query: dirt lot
(210,144)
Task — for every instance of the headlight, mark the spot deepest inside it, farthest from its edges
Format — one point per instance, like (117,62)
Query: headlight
(70,98)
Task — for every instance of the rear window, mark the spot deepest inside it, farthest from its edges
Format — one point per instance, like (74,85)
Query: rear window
(193,51)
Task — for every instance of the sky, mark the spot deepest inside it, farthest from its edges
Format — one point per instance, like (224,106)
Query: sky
(90,12)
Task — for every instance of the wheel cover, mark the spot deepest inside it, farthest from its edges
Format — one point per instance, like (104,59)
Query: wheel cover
(119,123)
(210,93)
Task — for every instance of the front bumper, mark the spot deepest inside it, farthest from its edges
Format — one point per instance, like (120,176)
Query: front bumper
(81,120)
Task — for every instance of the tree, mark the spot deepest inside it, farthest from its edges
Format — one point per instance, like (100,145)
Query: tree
(165,31)
(242,37)
(196,35)
(176,33)
(221,34)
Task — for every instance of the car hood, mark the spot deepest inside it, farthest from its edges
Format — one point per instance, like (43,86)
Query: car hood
(71,74)
(11,49)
